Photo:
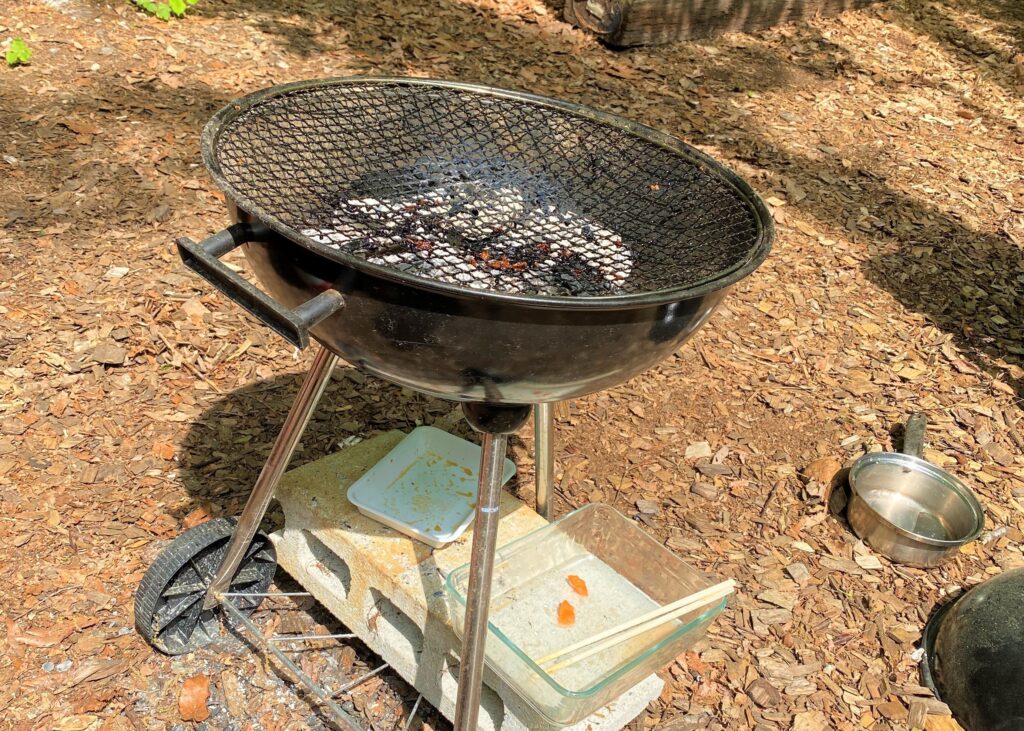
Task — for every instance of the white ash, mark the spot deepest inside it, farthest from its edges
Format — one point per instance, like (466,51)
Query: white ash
(483,238)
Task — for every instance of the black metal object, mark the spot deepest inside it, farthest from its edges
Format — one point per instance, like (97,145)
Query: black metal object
(974,654)
(492,247)
(292,325)
(428,183)
(285,155)
(465,348)
(494,419)
(169,610)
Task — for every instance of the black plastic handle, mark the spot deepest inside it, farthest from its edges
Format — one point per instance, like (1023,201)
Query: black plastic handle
(292,325)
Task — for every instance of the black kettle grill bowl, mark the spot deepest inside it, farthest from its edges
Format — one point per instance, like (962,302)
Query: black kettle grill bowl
(679,229)
(974,654)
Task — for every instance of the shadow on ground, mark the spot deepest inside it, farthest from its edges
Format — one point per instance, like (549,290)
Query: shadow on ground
(226,447)
(966,281)
(223,453)
(933,20)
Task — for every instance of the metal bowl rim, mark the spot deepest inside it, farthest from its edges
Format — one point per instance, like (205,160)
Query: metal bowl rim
(929,676)
(939,475)
(756,254)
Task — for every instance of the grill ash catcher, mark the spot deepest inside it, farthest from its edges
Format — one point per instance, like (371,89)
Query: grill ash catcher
(495,248)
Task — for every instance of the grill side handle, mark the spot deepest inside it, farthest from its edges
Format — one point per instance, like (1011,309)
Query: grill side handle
(293,325)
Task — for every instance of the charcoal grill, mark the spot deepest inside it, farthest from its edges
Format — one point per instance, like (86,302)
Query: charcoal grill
(491,247)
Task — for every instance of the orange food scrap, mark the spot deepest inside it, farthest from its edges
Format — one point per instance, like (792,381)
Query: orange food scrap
(566,615)
(578,585)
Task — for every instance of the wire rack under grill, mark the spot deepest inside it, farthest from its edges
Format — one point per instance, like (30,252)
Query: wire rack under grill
(484,191)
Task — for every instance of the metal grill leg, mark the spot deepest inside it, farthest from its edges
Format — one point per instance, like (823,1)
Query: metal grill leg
(284,446)
(544,440)
(478,594)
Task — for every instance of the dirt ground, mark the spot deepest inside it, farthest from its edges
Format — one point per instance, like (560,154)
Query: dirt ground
(134,402)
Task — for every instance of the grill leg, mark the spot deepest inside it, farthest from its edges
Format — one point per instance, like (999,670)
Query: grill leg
(478,594)
(284,446)
(544,440)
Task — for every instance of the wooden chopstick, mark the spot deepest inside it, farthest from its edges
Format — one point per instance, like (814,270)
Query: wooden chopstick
(630,630)
(639,625)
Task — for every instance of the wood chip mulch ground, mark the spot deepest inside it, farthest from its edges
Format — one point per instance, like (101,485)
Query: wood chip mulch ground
(134,402)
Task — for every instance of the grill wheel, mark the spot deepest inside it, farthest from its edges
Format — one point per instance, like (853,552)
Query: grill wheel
(168,602)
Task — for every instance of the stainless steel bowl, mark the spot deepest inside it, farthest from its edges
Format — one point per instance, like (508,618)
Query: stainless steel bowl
(907,508)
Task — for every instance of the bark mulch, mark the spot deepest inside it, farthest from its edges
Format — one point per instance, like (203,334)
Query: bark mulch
(134,402)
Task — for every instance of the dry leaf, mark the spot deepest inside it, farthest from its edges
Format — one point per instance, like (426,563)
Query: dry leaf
(84,722)
(194,310)
(109,354)
(95,702)
(192,699)
(233,697)
(171,80)
(93,670)
(194,518)
(163,450)
(59,404)
(38,638)
(941,723)
(80,127)
(822,470)
(868,561)
(694,663)
(809,721)
(698,450)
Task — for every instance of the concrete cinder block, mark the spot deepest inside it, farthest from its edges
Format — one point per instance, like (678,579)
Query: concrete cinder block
(389,589)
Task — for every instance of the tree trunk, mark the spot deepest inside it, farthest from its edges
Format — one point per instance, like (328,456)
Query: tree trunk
(624,23)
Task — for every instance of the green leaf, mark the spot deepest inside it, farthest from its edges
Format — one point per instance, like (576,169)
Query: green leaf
(160,10)
(164,10)
(18,53)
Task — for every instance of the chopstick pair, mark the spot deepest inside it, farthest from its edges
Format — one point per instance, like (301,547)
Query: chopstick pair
(635,627)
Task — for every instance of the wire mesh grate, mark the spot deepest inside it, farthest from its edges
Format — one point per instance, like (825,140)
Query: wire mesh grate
(484,191)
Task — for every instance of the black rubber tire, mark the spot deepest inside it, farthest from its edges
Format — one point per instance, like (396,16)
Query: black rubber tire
(168,609)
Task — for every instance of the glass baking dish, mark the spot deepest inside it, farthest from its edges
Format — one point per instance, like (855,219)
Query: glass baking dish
(626,572)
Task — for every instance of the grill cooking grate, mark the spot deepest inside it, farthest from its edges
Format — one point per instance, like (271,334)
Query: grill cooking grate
(481,235)
(484,191)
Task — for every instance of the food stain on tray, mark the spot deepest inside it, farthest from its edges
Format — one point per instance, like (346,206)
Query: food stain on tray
(578,585)
(566,614)
(422,488)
